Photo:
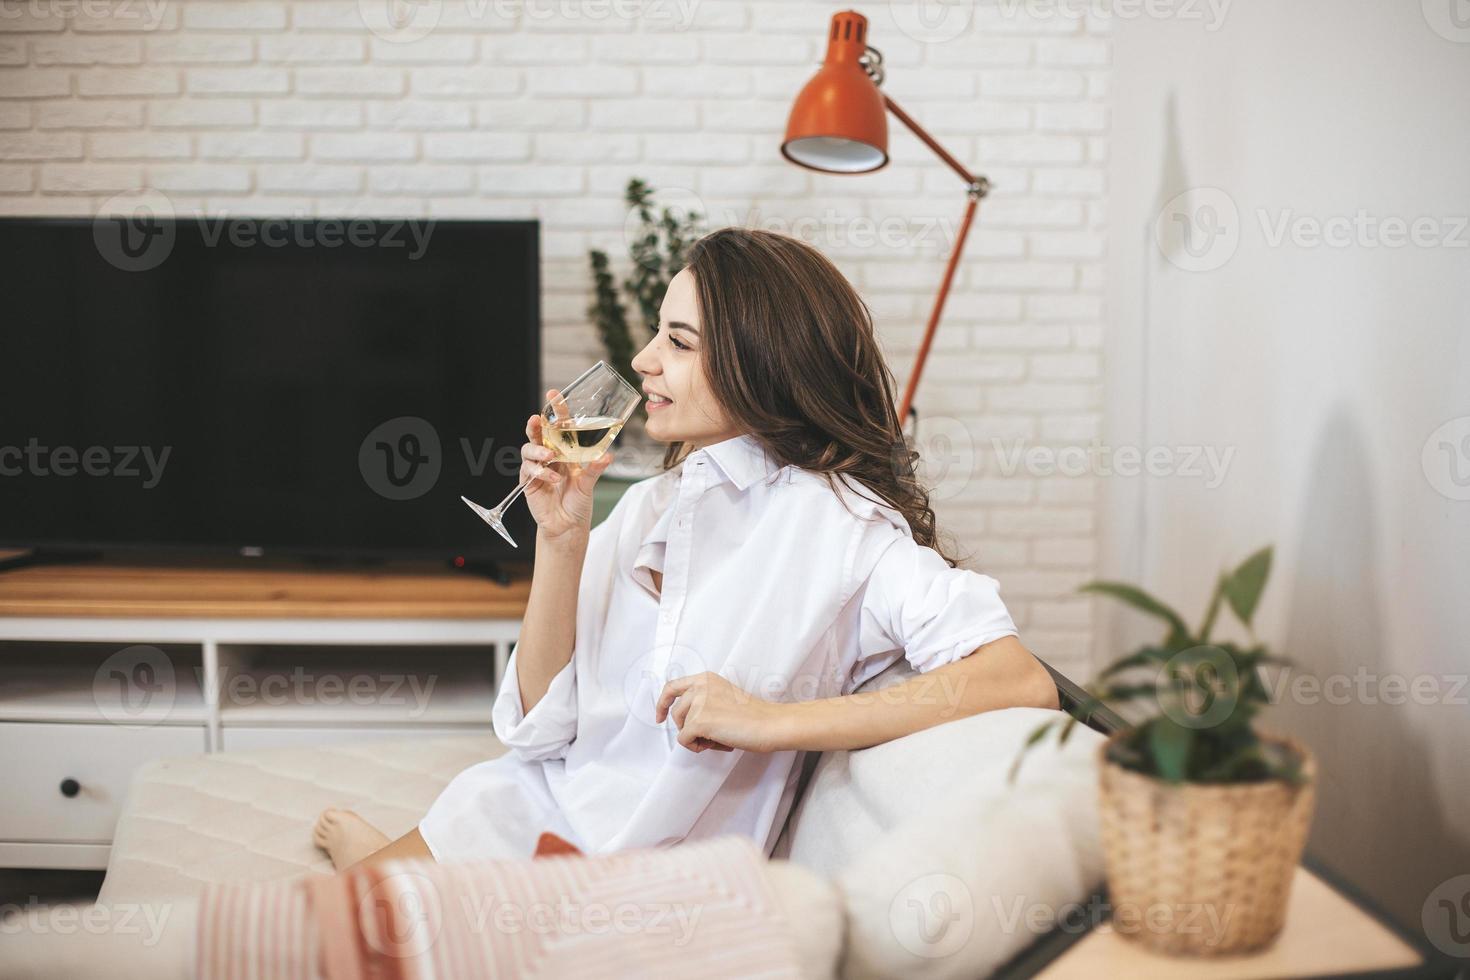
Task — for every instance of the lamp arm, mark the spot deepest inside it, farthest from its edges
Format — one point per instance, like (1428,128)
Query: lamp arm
(976,184)
(977,187)
(949,270)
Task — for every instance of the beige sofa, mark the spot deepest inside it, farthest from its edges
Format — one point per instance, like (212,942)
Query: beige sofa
(908,858)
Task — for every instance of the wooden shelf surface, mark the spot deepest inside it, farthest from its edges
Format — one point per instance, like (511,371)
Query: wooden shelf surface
(1326,934)
(259,590)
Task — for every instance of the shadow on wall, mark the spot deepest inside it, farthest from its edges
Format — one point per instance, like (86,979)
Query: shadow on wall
(1173,176)
(1378,817)
(1135,550)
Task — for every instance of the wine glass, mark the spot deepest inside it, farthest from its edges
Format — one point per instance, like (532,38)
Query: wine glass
(578,425)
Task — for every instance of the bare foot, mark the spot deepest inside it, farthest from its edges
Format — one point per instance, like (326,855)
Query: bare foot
(346,837)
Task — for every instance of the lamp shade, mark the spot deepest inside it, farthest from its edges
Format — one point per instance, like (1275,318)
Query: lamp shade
(837,124)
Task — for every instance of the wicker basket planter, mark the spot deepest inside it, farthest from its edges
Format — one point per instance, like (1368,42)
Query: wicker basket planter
(1202,869)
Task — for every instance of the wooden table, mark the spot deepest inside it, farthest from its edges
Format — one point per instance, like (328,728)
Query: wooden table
(243,589)
(1331,931)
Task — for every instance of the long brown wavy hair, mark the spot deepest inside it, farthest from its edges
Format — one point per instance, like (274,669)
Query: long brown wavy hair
(790,353)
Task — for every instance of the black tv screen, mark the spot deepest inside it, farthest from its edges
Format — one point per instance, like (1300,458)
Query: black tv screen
(266,386)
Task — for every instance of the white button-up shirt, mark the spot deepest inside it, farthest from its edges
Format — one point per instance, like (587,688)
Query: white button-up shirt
(769,579)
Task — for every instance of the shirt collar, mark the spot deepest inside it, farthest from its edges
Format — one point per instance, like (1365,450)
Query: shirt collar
(741,459)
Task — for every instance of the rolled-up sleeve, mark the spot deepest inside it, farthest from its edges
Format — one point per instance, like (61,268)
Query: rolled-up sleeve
(547,729)
(914,601)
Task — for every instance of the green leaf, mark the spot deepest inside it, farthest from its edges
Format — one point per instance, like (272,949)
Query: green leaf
(1169,743)
(1244,586)
(1141,600)
(610,317)
(1129,692)
(1139,658)
(1213,611)
(1242,764)
(1031,740)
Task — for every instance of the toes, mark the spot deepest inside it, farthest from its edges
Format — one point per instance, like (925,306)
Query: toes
(343,833)
(328,825)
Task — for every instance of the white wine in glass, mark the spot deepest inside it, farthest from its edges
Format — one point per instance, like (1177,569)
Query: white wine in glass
(578,426)
(580,441)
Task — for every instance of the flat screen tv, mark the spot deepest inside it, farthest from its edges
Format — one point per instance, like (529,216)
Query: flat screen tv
(265,386)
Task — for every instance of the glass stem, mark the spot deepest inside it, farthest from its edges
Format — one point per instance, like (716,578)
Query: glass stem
(510,498)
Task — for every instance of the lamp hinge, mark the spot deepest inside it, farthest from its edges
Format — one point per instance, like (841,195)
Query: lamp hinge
(872,62)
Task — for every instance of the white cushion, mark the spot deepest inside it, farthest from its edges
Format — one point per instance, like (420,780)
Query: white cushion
(813,907)
(937,855)
(247,816)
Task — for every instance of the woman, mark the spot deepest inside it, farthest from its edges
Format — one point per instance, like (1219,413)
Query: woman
(785,555)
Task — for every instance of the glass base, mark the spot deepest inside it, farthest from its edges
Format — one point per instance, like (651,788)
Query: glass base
(491,518)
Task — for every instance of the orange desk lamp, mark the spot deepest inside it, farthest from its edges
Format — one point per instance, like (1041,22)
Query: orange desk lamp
(838,126)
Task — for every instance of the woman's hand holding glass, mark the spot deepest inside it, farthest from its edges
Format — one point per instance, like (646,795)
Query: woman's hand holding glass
(558,493)
(575,429)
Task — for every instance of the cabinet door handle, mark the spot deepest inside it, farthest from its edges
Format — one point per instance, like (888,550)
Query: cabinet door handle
(70,788)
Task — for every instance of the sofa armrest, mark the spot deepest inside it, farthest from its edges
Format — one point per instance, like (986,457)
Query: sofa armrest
(1074,698)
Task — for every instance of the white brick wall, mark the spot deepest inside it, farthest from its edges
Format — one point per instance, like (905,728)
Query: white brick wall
(535,108)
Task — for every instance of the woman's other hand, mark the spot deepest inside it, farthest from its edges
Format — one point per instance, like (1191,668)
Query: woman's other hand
(712,713)
(559,494)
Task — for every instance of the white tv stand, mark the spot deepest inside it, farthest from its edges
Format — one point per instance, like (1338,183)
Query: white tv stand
(104,667)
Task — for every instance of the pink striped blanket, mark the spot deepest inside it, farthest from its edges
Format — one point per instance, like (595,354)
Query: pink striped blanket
(703,909)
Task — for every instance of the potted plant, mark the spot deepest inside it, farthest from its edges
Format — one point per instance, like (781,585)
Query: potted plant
(1203,817)
(658,246)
